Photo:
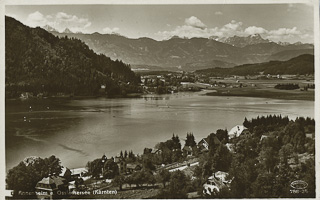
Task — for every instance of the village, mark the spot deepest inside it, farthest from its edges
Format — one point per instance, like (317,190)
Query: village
(93,182)
(172,82)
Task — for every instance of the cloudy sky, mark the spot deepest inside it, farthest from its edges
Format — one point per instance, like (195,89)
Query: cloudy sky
(277,22)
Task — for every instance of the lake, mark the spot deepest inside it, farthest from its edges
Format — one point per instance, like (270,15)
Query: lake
(83,129)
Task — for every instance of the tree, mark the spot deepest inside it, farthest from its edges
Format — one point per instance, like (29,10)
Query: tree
(176,155)
(163,177)
(25,176)
(222,135)
(207,169)
(95,167)
(147,151)
(190,141)
(308,174)
(176,142)
(138,178)
(52,164)
(150,178)
(121,154)
(283,178)
(78,182)
(263,187)
(222,158)
(111,169)
(268,158)
(244,173)
(285,153)
(129,180)
(22,178)
(118,181)
(131,157)
(147,164)
(178,187)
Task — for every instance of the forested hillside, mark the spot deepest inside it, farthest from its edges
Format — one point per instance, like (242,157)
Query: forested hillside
(303,64)
(39,62)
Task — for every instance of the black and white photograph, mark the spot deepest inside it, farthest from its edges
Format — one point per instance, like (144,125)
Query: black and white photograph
(209,99)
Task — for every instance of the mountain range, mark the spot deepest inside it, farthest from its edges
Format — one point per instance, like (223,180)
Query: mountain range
(189,54)
(242,41)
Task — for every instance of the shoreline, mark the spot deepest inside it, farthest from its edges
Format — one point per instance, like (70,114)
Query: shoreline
(131,95)
(264,93)
(228,92)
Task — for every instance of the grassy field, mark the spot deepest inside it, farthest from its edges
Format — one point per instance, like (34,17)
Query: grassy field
(264,89)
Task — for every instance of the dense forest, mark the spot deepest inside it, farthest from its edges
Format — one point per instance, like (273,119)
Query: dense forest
(41,63)
(272,153)
(303,64)
(288,86)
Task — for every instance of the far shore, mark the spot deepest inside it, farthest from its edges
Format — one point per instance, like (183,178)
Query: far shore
(265,93)
(67,96)
(258,92)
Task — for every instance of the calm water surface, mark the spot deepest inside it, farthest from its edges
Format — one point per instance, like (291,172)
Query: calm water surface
(80,130)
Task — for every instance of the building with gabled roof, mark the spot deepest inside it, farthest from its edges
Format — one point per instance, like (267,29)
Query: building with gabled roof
(217,181)
(65,173)
(156,151)
(236,131)
(121,164)
(51,187)
(203,145)
(188,150)
(132,167)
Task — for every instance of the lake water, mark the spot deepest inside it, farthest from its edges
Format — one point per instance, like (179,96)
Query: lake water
(81,130)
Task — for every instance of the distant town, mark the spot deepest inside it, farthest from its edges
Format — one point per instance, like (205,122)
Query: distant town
(163,83)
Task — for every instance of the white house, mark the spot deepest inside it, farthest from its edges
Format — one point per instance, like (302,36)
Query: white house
(236,131)
(216,182)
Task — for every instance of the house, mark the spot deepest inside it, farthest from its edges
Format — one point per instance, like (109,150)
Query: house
(133,167)
(52,187)
(230,147)
(26,95)
(187,150)
(156,151)
(246,132)
(236,131)
(216,182)
(65,173)
(30,160)
(222,176)
(310,135)
(121,164)
(263,137)
(78,173)
(203,145)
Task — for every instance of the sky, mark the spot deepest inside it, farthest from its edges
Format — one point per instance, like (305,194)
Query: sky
(276,22)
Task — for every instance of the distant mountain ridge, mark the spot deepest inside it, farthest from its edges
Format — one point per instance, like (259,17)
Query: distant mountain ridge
(244,41)
(288,54)
(177,53)
(49,28)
